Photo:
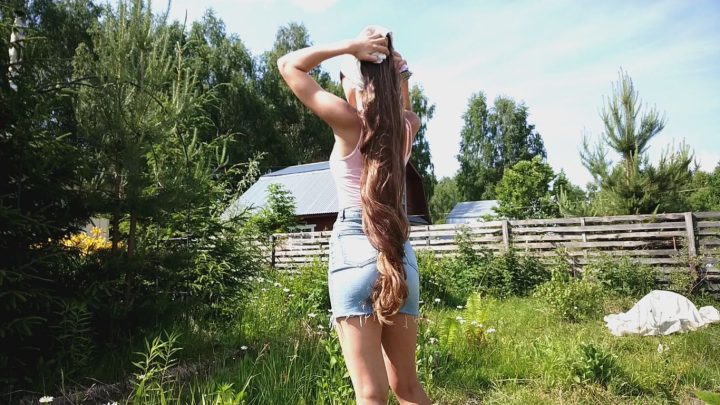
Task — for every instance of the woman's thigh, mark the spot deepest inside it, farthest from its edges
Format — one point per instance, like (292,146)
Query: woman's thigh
(360,339)
(399,341)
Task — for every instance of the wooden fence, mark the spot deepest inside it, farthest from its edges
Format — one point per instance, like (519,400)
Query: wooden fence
(665,241)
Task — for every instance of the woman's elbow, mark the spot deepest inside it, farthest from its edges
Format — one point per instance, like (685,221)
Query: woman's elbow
(283,65)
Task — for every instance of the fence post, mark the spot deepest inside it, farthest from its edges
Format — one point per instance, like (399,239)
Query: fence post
(506,233)
(690,228)
(584,237)
(427,236)
(272,251)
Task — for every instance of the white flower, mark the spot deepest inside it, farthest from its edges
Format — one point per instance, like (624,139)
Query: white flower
(437,300)
(291,295)
(474,323)
(330,310)
(459,318)
(433,340)
(276,284)
(46,399)
(321,327)
(287,290)
(462,321)
(459,307)
(112,403)
(260,279)
(491,330)
(574,307)
(264,289)
(243,348)
(662,348)
(312,315)
(421,302)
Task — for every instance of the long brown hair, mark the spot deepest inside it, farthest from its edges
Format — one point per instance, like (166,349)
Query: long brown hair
(383,182)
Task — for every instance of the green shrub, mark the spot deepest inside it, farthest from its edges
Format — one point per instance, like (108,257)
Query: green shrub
(622,276)
(495,276)
(681,280)
(447,279)
(594,365)
(454,279)
(310,282)
(573,301)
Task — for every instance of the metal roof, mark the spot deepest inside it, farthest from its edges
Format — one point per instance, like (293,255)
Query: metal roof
(471,211)
(311,184)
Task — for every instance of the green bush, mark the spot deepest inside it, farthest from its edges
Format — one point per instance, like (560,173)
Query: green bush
(310,282)
(622,276)
(454,279)
(447,279)
(682,280)
(573,301)
(594,365)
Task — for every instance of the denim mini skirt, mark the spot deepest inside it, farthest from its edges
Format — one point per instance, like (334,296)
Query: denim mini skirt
(352,269)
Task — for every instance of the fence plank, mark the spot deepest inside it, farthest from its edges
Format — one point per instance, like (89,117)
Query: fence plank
(601,228)
(690,226)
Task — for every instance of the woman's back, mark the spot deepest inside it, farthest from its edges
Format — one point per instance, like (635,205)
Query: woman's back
(347,171)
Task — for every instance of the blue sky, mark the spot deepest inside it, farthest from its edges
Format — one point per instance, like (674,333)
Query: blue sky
(559,57)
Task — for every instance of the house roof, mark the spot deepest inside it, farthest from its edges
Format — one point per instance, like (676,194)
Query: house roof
(311,184)
(314,190)
(470,211)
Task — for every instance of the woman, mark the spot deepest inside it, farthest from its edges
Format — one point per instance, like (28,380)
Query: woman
(373,276)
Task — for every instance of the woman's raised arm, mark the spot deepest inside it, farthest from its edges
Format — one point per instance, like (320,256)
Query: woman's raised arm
(294,68)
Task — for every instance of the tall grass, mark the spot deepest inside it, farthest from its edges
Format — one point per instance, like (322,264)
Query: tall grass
(513,350)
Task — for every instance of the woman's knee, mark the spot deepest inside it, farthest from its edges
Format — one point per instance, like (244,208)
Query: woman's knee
(406,388)
(369,394)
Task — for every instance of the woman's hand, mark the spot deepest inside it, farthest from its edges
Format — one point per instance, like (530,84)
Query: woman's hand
(367,44)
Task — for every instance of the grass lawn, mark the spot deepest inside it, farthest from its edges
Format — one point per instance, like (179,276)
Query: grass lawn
(512,351)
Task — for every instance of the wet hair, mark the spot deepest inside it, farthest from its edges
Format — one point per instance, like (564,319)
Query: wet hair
(383,182)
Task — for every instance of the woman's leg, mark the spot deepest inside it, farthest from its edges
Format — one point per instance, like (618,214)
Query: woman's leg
(399,341)
(360,342)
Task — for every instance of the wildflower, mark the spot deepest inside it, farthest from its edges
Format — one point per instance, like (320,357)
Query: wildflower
(112,403)
(462,321)
(276,284)
(264,289)
(321,327)
(459,307)
(474,323)
(662,348)
(490,330)
(432,340)
(46,399)
(421,302)
(286,290)
(243,348)
(312,315)
(437,300)
(458,318)
(291,295)
(260,279)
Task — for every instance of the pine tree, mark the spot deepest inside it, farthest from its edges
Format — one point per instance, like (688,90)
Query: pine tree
(633,185)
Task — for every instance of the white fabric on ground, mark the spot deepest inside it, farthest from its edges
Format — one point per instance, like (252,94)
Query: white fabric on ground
(661,313)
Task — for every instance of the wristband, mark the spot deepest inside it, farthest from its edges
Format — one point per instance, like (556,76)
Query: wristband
(405,73)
